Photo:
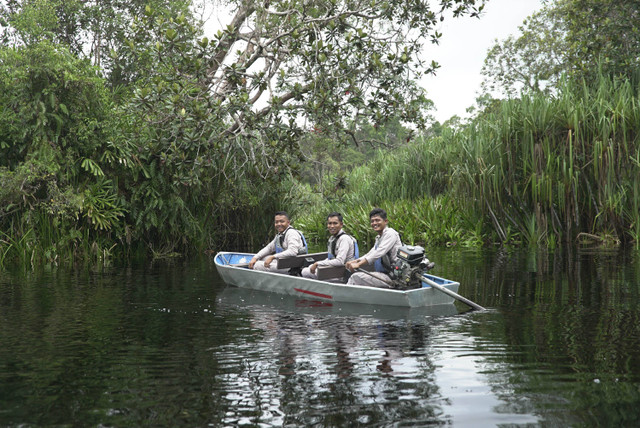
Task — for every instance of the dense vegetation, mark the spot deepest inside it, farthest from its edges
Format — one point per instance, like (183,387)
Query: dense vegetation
(555,162)
(537,170)
(125,132)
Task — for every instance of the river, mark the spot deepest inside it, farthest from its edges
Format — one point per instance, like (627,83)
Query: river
(168,344)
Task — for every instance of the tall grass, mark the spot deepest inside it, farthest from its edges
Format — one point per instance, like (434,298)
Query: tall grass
(412,186)
(535,171)
(553,168)
(417,169)
(39,238)
(16,248)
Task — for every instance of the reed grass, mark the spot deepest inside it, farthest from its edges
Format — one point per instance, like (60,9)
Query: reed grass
(18,249)
(437,221)
(537,171)
(555,167)
(40,238)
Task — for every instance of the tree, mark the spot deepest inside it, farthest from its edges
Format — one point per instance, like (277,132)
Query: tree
(567,37)
(91,29)
(212,127)
(213,113)
(325,61)
(534,61)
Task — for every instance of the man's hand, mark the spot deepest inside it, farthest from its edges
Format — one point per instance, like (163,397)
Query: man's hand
(252,262)
(313,267)
(355,264)
(268,261)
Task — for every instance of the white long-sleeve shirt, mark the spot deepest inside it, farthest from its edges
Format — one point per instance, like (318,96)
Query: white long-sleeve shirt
(345,251)
(291,245)
(388,242)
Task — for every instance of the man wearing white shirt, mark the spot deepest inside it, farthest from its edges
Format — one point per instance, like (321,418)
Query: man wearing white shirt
(341,247)
(288,242)
(381,256)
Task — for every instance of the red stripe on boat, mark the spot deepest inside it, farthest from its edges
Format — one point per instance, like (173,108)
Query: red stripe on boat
(313,293)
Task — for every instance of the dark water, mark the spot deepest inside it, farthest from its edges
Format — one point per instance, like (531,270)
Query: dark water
(169,345)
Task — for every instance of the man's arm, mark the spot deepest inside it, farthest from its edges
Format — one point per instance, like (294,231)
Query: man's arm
(376,253)
(270,248)
(344,250)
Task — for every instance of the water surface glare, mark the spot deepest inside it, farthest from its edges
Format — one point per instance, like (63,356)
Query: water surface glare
(170,345)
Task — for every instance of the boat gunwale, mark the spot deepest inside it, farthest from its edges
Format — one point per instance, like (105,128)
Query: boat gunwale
(447,283)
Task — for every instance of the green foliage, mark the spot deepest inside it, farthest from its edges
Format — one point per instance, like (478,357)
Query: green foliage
(554,168)
(188,160)
(413,184)
(35,21)
(416,169)
(57,145)
(16,249)
(90,30)
(100,206)
(327,161)
(425,221)
(54,106)
(530,62)
(567,37)
(202,141)
(195,138)
(534,171)
(612,38)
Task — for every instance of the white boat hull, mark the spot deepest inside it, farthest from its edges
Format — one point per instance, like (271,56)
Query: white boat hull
(263,301)
(328,291)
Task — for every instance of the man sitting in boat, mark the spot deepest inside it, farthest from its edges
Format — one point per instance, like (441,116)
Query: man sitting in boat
(288,242)
(341,247)
(382,255)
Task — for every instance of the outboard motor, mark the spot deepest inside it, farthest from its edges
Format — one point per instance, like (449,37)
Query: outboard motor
(409,266)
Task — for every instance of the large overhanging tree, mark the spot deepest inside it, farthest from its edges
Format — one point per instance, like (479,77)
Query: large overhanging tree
(231,109)
(280,68)
(205,122)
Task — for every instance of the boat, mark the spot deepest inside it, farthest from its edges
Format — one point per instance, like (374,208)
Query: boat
(233,269)
(259,302)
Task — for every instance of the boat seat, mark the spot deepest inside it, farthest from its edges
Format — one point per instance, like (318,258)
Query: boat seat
(300,260)
(330,272)
(333,272)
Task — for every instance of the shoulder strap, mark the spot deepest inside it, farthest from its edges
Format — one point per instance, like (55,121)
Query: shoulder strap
(335,242)
(304,242)
(283,235)
(356,251)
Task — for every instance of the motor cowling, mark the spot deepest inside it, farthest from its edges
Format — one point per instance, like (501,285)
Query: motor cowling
(409,266)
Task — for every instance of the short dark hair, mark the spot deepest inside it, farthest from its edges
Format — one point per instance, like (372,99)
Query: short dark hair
(378,212)
(284,213)
(335,214)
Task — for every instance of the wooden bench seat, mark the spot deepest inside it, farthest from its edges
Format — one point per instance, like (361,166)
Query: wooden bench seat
(291,262)
(330,272)
(333,272)
(300,260)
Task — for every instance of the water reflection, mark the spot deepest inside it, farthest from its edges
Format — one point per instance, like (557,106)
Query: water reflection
(569,328)
(170,345)
(342,364)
